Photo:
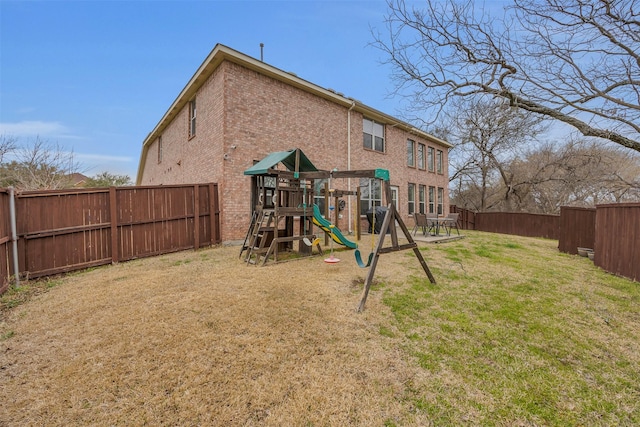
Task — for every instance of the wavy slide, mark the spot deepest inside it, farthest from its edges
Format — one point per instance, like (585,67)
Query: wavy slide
(337,235)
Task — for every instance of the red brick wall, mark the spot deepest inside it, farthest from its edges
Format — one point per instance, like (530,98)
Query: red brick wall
(246,115)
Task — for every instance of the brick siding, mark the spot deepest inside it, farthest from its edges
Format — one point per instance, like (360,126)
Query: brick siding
(243,115)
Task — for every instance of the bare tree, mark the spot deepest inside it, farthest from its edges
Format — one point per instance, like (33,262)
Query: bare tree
(487,136)
(576,173)
(576,61)
(38,165)
(7,145)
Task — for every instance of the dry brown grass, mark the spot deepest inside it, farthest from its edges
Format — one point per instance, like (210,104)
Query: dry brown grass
(200,338)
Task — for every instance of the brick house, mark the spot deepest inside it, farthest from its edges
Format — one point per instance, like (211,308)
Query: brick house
(235,110)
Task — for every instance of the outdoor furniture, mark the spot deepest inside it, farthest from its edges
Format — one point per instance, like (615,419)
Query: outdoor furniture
(420,223)
(451,221)
(433,225)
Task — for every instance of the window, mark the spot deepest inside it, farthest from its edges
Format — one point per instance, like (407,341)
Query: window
(370,194)
(411,161)
(440,200)
(160,149)
(318,198)
(192,118)
(373,135)
(412,198)
(421,198)
(432,200)
(439,161)
(421,153)
(430,159)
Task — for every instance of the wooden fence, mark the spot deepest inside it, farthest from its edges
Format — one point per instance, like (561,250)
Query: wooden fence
(613,231)
(519,223)
(617,239)
(577,229)
(66,230)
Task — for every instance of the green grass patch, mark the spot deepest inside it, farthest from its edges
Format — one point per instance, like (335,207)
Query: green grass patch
(515,333)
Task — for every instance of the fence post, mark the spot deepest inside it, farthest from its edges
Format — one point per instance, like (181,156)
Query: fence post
(113,212)
(214,213)
(196,216)
(14,235)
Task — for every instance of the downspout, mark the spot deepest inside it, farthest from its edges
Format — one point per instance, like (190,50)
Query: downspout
(353,104)
(14,235)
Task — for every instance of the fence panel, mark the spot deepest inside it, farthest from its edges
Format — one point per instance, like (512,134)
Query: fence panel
(466,218)
(518,223)
(617,239)
(5,241)
(62,230)
(577,229)
(66,230)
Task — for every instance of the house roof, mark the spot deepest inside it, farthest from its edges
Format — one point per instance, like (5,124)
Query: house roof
(222,53)
(288,158)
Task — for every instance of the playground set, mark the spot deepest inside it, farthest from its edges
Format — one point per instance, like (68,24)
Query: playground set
(283,198)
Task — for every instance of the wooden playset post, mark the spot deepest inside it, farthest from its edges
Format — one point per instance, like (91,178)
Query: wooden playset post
(390,219)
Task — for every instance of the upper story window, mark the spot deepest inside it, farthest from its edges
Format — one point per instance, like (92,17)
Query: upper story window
(421,155)
(160,149)
(431,159)
(439,161)
(411,161)
(373,135)
(192,118)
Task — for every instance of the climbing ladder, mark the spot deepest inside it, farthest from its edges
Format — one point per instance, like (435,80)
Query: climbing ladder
(262,222)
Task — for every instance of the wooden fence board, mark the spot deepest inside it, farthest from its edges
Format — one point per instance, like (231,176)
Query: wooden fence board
(66,230)
(617,239)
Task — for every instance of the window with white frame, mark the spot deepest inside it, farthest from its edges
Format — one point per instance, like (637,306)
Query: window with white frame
(192,118)
(318,198)
(421,154)
(370,194)
(432,200)
(439,161)
(411,197)
(411,158)
(431,159)
(373,135)
(421,198)
(440,200)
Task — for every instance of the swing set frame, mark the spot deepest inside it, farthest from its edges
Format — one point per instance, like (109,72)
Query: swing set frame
(392,221)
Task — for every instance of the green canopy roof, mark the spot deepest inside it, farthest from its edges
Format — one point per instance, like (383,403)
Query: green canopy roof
(288,158)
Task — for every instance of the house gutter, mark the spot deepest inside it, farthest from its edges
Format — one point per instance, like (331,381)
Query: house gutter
(353,104)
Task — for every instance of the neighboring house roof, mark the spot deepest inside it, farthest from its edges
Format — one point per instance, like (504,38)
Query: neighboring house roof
(288,158)
(77,179)
(221,53)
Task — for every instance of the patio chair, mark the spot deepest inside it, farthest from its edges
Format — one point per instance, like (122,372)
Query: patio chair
(420,223)
(452,221)
(433,225)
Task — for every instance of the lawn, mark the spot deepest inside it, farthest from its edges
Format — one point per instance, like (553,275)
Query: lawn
(514,333)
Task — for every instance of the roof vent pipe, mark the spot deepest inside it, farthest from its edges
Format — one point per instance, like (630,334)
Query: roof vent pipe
(261,52)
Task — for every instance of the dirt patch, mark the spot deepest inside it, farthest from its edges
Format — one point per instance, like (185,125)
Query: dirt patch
(200,338)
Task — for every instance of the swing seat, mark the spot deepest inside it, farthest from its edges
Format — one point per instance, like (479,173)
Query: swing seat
(361,263)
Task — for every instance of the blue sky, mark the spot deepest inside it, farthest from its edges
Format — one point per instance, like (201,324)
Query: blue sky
(96,76)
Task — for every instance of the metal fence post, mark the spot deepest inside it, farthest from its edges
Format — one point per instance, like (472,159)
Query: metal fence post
(14,235)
